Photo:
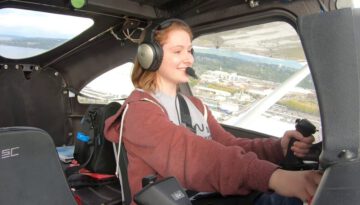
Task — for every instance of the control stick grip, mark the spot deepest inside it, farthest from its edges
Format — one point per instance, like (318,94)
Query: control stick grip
(306,128)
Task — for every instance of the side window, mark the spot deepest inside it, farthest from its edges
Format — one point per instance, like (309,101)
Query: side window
(256,78)
(114,85)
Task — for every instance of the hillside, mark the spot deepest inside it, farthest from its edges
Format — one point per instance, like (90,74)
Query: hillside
(35,42)
(258,67)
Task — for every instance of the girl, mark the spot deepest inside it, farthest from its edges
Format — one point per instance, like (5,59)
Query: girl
(205,158)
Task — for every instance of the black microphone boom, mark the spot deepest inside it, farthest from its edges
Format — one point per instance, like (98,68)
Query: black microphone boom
(190,71)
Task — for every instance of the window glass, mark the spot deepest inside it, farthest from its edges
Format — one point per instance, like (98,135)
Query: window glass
(256,78)
(25,33)
(114,85)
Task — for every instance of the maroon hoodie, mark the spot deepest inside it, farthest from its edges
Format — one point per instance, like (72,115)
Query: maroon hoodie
(156,146)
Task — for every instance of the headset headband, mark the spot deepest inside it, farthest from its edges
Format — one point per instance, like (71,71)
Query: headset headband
(159,25)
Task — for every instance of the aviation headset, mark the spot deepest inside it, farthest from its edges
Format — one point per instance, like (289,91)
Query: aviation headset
(150,53)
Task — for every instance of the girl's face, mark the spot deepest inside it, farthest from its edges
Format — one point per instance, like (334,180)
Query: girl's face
(177,57)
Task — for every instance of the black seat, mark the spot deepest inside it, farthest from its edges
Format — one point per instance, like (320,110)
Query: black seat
(31,172)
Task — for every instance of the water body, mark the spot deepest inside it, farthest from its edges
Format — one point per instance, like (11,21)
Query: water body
(14,52)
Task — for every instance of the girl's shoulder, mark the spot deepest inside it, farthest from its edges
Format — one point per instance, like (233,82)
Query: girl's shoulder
(142,99)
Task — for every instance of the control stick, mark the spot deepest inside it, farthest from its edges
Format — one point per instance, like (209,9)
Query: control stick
(292,162)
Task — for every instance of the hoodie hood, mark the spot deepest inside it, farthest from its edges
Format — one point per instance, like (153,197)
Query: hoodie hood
(112,124)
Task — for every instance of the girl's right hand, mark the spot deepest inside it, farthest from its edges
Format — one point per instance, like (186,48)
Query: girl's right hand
(300,184)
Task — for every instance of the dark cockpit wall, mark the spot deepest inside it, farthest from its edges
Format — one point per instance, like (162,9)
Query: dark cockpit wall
(35,90)
(82,67)
(98,57)
(39,101)
(42,98)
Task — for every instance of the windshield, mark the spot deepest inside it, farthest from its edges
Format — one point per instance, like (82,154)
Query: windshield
(25,33)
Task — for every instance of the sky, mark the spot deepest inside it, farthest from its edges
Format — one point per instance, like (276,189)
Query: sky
(116,81)
(356,3)
(40,24)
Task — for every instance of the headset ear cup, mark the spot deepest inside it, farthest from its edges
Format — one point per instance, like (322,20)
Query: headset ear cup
(150,56)
(145,55)
(157,57)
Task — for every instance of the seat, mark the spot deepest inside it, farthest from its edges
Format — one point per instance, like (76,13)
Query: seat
(31,172)
(331,41)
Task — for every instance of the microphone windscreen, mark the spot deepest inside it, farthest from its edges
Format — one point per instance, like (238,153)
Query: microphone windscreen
(190,71)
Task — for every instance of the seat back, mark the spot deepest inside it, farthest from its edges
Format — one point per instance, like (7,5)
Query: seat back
(31,172)
(331,42)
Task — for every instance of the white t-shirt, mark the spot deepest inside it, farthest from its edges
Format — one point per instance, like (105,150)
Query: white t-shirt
(171,105)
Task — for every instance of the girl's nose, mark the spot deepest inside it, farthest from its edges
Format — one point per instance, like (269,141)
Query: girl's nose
(189,58)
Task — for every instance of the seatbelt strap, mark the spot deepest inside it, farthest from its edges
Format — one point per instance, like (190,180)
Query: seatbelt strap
(185,113)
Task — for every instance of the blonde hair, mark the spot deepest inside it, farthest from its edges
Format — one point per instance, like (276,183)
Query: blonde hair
(145,79)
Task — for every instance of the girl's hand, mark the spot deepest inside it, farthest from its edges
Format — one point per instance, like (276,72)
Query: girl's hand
(301,147)
(300,184)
